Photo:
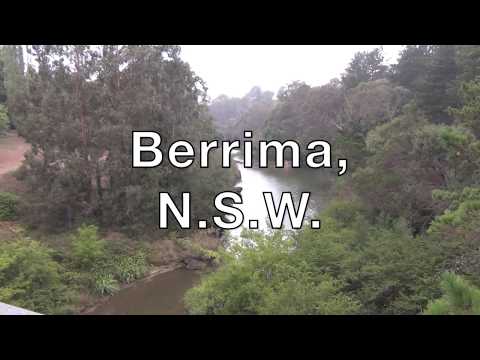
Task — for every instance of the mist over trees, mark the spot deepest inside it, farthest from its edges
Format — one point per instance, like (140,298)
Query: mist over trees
(231,116)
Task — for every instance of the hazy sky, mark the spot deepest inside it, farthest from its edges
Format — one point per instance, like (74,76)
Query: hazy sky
(234,69)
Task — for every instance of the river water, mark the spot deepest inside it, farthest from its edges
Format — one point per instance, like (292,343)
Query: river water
(256,181)
(159,295)
(163,294)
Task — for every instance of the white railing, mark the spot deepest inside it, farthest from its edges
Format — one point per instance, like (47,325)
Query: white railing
(6,309)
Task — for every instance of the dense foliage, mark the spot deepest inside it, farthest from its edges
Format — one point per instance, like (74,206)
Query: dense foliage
(8,206)
(81,105)
(30,277)
(52,280)
(407,213)
(263,277)
(459,298)
(401,237)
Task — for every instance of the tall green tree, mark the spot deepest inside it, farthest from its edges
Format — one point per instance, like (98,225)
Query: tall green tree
(412,65)
(365,66)
(14,83)
(439,90)
(83,104)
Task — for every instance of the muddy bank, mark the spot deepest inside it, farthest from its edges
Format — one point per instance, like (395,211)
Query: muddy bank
(177,265)
(161,294)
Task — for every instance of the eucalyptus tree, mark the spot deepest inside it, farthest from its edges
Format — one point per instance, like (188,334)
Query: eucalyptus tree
(83,104)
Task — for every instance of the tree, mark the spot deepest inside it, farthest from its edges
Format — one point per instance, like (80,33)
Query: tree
(409,158)
(365,66)
(380,263)
(225,112)
(83,104)
(11,56)
(468,114)
(459,298)
(365,107)
(264,277)
(232,116)
(371,104)
(457,232)
(468,60)
(305,113)
(412,66)
(439,90)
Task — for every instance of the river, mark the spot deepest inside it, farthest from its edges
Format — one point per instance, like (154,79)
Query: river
(255,181)
(163,294)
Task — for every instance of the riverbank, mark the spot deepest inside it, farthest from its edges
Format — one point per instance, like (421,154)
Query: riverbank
(186,254)
(161,294)
(186,258)
(91,309)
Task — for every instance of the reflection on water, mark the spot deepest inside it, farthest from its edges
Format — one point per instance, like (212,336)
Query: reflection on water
(255,181)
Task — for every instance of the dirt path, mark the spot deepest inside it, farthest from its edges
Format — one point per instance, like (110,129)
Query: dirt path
(12,149)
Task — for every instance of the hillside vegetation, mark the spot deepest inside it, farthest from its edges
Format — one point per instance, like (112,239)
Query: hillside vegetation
(405,218)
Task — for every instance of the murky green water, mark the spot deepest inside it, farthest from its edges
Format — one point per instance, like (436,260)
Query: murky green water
(160,295)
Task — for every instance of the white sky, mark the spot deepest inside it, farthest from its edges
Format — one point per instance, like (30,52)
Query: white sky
(234,69)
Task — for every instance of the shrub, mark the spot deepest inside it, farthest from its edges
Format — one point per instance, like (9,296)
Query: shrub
(8,206)
(105,284)
(87,247)
(130,268)
(30,278)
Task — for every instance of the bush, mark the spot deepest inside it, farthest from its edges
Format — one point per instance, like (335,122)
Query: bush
(105,284)
(30,278)
(130,268)
(8,206)
(87,247)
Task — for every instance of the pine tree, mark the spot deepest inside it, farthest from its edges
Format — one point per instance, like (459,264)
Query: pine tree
(412,65)
(439,90)
(459,298)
